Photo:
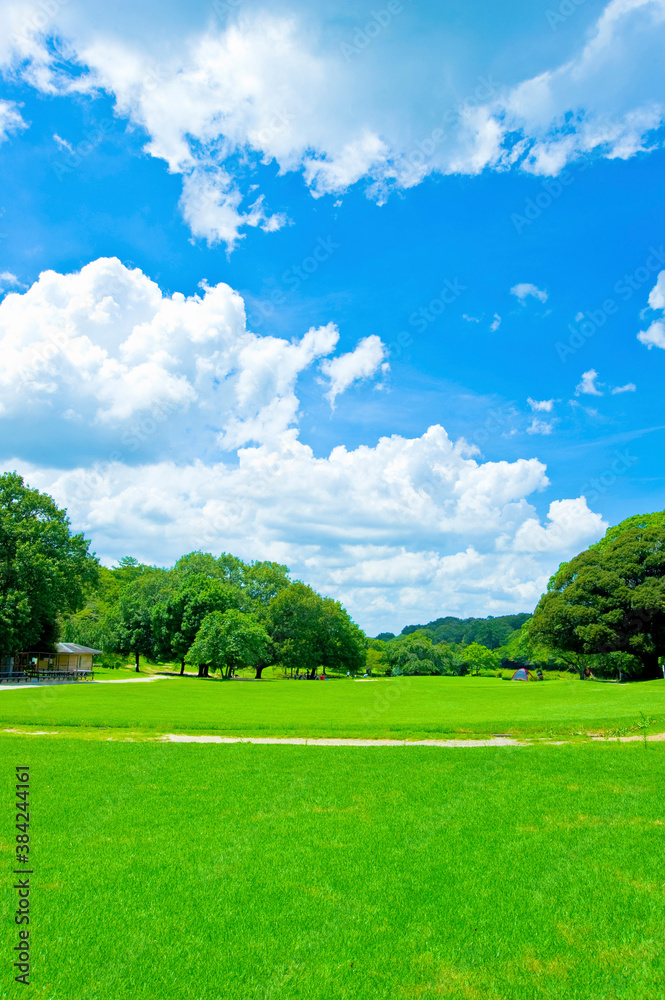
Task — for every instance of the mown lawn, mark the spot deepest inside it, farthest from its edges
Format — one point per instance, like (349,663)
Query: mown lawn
(395,707)
(185,872)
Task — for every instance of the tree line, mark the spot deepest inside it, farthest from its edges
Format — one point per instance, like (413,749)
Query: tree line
(604,609)
(217,613)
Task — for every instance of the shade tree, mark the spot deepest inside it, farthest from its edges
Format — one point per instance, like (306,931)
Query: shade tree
(610,598)
(45,569)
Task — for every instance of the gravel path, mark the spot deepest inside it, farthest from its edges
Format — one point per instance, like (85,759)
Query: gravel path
(110,680)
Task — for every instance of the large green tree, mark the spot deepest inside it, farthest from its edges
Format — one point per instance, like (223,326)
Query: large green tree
(610,598)
(416,654)
(179,614)
(129,622)
(313,631)
(44,568)
(230,641)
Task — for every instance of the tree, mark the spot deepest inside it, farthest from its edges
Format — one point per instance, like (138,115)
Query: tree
(479,657)
(611,598)
(129,623)
(416,654)
(44,568)
(189,599)
(230,640)
(312,631)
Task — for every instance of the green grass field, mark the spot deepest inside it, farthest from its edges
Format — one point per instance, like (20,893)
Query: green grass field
(184,872)
(402,708)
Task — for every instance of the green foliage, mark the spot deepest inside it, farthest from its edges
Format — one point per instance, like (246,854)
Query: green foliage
(44,569)
(189,599)
(129,622)
(311,631)
(490,632)
(478,658)
(415,654)
(230,640)
(611,598)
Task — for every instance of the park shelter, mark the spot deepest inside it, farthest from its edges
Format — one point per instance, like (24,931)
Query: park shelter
(521,675)
(68,660)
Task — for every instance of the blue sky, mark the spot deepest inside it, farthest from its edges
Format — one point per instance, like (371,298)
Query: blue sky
(462,205)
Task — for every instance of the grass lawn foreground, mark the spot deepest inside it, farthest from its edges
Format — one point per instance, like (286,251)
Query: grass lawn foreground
(190,872)
(207,872)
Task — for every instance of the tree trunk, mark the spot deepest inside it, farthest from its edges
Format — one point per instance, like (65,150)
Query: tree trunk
(136,668)
(259,671)
(182,667)
(651,671)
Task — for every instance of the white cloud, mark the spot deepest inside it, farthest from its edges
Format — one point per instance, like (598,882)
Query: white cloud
(63,143)
(219,100)
(572,526)
(588,386)
(496,323)
(540,426)
(629,387)
(657,293)
(396,531)
(525,289)
(106,345)
(361,363)
(101,364)
(654,335)
(541,405)
(11,119)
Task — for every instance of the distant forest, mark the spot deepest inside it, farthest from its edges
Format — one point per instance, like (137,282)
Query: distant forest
(490,632)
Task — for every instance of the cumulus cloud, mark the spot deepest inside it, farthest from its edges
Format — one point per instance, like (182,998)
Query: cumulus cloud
(541,405)
(218,100)
(496,323)
(361,363)
(588,385)
(571,525)
(405,528)
(654,335)
(540,426)
(103,352)
(525,289)
(104,370)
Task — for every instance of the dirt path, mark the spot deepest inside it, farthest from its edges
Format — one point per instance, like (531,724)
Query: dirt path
(108,680)
(494,741)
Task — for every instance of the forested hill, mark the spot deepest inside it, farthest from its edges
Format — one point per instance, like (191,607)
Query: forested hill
(490,632)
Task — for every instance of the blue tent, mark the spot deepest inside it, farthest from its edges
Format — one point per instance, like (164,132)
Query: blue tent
(521,675)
